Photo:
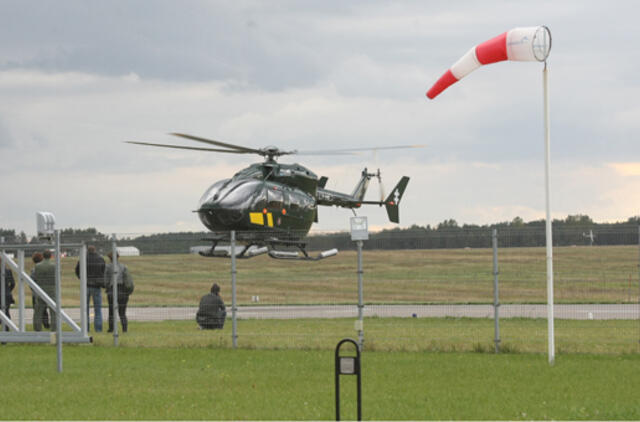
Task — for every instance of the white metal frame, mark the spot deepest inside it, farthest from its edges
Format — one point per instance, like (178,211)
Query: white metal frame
(17,332)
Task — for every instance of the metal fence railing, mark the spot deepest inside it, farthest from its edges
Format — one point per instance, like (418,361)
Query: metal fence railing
(423,290)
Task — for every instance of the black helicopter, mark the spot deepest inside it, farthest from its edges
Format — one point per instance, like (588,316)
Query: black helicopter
(272,206)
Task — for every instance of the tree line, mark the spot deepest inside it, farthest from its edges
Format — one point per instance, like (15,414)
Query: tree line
(573,230)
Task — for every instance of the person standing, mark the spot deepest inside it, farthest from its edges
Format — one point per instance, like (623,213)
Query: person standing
(9,284)
(44,274)
(125,288)
(37,257)
(95,281)
(211,312)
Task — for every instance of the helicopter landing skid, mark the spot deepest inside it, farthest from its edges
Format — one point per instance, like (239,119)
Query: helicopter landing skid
(300,255)
(241,251)
(258,248)
(293,255)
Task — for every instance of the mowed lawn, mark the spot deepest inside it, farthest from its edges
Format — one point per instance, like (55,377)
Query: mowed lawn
(598,274)
(518,335)
(107,383)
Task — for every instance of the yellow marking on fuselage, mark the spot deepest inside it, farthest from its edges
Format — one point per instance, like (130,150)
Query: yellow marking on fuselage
(256,218)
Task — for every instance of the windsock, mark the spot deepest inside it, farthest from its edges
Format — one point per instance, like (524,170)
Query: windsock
(519,44)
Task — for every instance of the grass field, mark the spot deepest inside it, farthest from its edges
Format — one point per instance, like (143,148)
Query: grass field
(392,334)
(105,383)
(599,274)
(413,368)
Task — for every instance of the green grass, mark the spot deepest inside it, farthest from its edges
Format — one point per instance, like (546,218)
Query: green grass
(599,274)
(102,382)
(615,337)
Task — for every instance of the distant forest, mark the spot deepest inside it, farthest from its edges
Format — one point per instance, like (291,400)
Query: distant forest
(573,230)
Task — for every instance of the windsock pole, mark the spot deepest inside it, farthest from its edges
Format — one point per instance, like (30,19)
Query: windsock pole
(547,167)
(517,44)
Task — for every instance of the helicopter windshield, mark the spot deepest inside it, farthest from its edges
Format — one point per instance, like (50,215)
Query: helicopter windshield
(241,194)
(213,190)
(260,199)
(275,198)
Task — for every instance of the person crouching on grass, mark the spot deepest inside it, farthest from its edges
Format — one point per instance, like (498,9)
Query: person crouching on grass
(211,312)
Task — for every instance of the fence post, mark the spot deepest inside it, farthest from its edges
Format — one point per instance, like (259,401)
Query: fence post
(360,298)
(21,318)
(84,310)
(114,281)
(234,322)
(3,287)
(58,302)
(496,303)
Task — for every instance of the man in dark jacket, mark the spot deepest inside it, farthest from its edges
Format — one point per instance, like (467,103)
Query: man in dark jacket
(211,312)
(9,284)
(95,282)
(44,274)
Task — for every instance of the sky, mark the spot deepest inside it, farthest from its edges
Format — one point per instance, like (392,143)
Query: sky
(78,78)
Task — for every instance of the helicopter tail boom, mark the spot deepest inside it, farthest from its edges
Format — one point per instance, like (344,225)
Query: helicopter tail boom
(391,203)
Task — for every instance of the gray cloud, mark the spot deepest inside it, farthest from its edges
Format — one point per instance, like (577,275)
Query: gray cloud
(77,78)
(6,140)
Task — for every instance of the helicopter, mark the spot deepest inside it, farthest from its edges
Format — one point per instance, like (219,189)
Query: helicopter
(272,206)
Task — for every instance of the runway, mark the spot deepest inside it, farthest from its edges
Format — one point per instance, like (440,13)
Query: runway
(574,311)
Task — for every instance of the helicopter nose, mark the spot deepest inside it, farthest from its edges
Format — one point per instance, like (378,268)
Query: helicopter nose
(216,217)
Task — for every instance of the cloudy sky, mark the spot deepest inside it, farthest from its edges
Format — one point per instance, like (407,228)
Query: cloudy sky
(77,78)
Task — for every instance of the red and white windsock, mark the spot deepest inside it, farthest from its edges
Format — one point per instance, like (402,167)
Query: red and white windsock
(519,44)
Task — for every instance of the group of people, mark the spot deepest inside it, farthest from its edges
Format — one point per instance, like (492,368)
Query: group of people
(99,276)
(45,274)
(211,311)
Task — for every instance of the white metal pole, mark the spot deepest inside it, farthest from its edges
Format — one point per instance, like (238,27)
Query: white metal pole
(360,298)
(549,238)
(114,291)
(234,321)
(3,283)
(84,303)
(496,295)
(21,319)
(58,302)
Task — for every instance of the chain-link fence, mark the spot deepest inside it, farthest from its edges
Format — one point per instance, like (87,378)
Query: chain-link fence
(422,289)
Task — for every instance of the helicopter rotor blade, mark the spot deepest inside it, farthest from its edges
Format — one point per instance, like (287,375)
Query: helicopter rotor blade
(189,148)
(218,143)
(354,151)
(320,152)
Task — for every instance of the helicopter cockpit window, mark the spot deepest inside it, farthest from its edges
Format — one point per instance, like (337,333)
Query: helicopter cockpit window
(296,200)
(241,195)
(212,192)
(260,199)
(274,198)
